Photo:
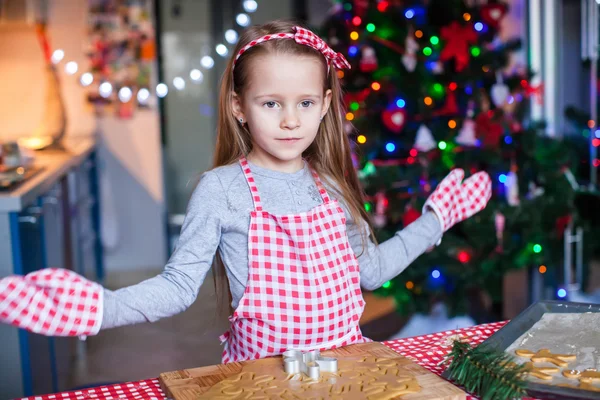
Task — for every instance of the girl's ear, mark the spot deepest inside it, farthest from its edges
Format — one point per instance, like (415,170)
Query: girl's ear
(326,103)
(236,107)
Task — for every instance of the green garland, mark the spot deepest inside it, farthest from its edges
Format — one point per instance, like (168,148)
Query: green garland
(487,373)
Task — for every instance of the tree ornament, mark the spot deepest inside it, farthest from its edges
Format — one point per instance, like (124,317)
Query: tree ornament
(492,14)
(457,38)
(466,136)
(500,91)
(410,215)
(424,141)
(381,203)
(409,59)
(488,130)
(499,222)
(512,186)
(368,61)
(394,119)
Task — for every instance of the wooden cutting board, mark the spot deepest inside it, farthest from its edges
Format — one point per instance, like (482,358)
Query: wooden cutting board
(190,384)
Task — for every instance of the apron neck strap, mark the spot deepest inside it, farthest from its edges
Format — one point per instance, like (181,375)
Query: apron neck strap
(251,183)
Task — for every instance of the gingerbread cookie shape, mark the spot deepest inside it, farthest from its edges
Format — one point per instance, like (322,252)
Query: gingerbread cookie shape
(589,375)
(544,355)
(539,372)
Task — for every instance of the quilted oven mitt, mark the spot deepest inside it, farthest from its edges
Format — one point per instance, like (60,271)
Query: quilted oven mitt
(52,302)
(454,201)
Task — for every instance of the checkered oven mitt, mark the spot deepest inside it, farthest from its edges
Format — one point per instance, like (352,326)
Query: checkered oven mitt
(454,201)
(52,302)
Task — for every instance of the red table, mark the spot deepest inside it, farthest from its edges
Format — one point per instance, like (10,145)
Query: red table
(428,351)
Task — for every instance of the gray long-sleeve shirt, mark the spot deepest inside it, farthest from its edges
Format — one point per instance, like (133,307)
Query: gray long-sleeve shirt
(218,218)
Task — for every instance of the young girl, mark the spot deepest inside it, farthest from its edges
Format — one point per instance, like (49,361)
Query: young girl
(282,210)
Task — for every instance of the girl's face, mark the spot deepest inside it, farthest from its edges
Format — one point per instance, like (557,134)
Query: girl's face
(282,104)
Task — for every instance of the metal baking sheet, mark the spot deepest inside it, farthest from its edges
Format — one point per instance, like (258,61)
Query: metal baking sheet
(510,332)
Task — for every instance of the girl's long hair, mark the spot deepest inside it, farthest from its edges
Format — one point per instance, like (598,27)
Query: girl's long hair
(330,153)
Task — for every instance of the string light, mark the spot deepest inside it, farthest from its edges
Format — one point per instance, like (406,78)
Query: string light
(537,248)
(467,16)
(409,13)
(86,79)
(179,83)
(542,269)
(207,62)
(196,75)
(410,285)
(356,21)
(390,147)
(362,139)
(434,40)
(375,86)
(125,94)
(371,27)
(591,124)
(435,274)
(478,26)
(452,124)
(428,101)
(413,152)
(419,34)
(340,74)
(442,145)
(354,106)
(354,35)
(475,51)
(452,86)
(427,51)
(382,6)
(221,50)
(162,90)
(105,89)
(349,116)
(57,56)
(250,5)
(562,293)
(71,67)
(231,36)
(143,95)
(400,103)
(242,19)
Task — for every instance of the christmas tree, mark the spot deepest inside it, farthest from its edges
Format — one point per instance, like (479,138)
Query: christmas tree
(429,91)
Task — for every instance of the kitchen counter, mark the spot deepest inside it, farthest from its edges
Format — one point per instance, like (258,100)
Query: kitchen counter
(54,164)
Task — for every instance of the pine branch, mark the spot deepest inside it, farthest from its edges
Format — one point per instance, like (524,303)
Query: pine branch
(487,373)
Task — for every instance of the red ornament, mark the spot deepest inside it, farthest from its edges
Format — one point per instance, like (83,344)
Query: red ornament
(487,130)
(450,106)
(410,215)
(394,119)
(492,14)
(457,38)
(562,223)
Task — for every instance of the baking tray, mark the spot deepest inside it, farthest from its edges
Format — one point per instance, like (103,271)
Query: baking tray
(510,332)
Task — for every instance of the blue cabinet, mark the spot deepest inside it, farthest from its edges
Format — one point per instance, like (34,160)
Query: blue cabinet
(59,228)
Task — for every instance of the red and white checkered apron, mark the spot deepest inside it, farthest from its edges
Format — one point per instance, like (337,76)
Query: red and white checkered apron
(303,288)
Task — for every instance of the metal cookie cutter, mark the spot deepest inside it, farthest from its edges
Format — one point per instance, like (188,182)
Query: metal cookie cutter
(310,363)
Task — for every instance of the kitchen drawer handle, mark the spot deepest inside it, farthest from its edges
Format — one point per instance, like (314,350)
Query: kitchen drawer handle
(51,200)
(28,219)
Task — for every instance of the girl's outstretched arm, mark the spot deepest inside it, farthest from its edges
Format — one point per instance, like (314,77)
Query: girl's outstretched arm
(59,302)
(450,203)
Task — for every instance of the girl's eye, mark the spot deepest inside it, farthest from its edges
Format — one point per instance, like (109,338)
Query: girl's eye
(270,104)
(306,103)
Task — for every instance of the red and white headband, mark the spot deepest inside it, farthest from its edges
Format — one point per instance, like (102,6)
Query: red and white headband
(305,37)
